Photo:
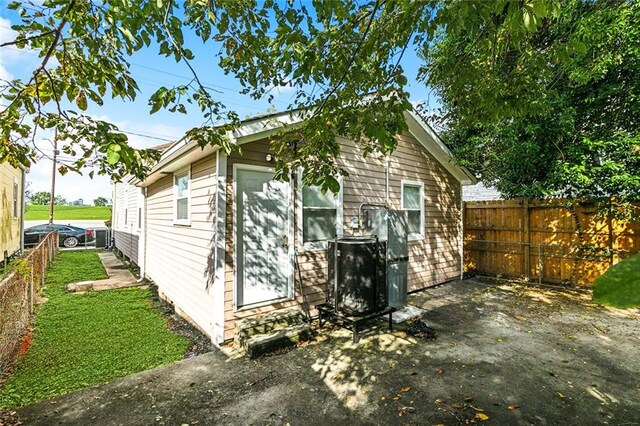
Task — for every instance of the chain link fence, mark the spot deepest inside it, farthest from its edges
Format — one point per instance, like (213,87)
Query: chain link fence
(17,297)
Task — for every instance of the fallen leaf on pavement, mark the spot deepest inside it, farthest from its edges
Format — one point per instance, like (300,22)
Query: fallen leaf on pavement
(413,373)
(405,389)
(481,416)
(440,371)
(456,405)
(439,401)
(512,407)
(404,410)
(560,394)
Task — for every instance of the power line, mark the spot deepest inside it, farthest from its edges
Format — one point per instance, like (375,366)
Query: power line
(206,84)
(146,136)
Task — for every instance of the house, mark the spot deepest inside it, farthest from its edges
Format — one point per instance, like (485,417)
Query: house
(127,213)
(78,202)
(480,192)
(211,226)
(11,210)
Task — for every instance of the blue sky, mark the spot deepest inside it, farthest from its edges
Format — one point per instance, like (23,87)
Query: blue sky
(144,130)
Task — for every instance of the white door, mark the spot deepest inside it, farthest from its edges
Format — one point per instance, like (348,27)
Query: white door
(262,225)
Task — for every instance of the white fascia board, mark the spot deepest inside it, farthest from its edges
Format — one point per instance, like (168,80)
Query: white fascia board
(188,154)
(431,141)
(253,130)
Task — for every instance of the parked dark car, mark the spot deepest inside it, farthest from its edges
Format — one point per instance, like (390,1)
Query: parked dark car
(69,236)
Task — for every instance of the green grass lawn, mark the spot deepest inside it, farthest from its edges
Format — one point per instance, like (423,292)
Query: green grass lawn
(68,212)
(83,340)
(619,287)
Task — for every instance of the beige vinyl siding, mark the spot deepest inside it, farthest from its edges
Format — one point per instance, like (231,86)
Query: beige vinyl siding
(9,225)
(180,259)
(435,259)
(254,153)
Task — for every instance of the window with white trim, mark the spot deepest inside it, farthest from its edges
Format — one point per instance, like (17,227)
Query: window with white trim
(181,198)
(413,204)
(319,214)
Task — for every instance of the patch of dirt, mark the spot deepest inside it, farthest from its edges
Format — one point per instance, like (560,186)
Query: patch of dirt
(9,418)
(418,328)
(199,343)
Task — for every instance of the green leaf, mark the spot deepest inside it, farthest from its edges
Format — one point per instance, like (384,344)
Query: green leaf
(529,20)
(578,46)
(113,153)
(539,7)
(127,34)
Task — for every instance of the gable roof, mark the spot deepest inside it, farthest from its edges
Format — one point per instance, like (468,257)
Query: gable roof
(184,152)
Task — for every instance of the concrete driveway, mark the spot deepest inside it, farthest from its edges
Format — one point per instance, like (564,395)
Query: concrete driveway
(504,355)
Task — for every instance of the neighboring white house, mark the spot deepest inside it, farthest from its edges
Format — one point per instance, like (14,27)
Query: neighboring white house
(217,233)
(479,192)
(127,217)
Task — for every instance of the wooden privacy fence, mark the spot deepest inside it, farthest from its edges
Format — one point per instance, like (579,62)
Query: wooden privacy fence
(17,292)
(550,240)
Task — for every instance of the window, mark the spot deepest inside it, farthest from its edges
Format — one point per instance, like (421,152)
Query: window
(413,203)
(15,198)
(181,198)
(319,215)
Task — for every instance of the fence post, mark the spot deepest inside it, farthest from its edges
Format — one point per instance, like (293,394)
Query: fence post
(526,234)
(31,291)
(42,266)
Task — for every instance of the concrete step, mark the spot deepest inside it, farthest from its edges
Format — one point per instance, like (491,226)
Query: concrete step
(261,344)
(266,324)
(267,333)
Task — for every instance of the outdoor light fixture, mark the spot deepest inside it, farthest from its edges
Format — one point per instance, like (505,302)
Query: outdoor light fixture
(269,158)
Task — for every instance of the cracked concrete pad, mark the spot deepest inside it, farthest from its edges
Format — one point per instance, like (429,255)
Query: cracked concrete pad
(521,355)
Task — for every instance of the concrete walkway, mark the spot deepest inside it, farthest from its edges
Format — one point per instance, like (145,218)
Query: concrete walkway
(504,355)
(119,276)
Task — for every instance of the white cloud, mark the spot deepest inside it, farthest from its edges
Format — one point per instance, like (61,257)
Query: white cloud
(73,186)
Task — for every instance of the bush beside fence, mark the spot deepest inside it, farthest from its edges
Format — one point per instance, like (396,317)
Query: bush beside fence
(17,293)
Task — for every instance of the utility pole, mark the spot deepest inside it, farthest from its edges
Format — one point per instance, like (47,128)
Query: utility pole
(53,176)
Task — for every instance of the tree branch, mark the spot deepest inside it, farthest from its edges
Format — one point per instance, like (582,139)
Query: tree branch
(47,56)
(351,60)
(33,37)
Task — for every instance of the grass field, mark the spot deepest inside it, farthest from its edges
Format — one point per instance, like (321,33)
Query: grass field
(620,285)
(68,213)
(82,340)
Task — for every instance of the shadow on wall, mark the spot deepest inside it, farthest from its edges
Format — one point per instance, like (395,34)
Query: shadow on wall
(439,251)
(6,223)
(210,269)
